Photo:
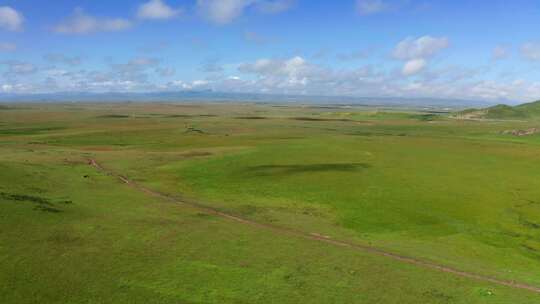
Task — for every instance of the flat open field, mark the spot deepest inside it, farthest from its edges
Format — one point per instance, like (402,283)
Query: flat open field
(243,203)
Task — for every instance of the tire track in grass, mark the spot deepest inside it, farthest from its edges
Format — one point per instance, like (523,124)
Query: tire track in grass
(318,237)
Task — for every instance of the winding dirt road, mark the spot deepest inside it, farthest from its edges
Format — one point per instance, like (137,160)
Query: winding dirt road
(319,238)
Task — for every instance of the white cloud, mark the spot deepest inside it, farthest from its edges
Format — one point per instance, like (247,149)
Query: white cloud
(7,47)
(56,72)
(288,72)
(81,23)
(296,75)
(135,70)
(193,85)
(18,68)
(16,88)
(222,11)
(6,88)
(10,19)
(500,52)
(225,11)
(157,9)
(531,50)
(22,68)
(413,66)
(293,75)
(368,7)
(423,47)
(198,83)
(132,75)
(416,52)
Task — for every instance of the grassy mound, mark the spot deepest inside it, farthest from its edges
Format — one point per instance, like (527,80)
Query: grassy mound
(502,111)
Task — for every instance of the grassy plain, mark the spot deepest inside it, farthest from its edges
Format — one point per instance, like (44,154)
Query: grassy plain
(452,192)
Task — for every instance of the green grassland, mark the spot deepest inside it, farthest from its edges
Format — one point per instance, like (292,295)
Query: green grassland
(457,193)
(523,111)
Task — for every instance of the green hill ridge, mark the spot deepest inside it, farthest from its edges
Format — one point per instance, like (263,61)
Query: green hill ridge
(502,111)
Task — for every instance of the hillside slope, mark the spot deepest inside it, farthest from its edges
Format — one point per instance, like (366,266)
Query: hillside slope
(501,111)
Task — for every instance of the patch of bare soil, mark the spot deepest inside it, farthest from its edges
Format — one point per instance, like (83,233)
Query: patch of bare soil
(526,132)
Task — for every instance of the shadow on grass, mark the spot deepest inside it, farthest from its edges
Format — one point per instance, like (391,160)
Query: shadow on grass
(252,117)
(191,154)
(40,203)
(114,116)
(310,168)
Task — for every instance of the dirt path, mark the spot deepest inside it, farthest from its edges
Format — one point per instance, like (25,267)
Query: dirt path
(320,238)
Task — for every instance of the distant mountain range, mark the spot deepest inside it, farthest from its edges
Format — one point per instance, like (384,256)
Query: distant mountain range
(501,111)
(210,96)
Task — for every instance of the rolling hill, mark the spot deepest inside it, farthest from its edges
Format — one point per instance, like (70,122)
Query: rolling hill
(501,111)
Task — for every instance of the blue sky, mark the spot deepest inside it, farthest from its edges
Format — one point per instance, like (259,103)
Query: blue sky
(486,50)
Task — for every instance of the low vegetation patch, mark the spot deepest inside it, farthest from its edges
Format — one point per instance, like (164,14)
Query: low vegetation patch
(320,119)
(196,130)
(28,131)
(426,117)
